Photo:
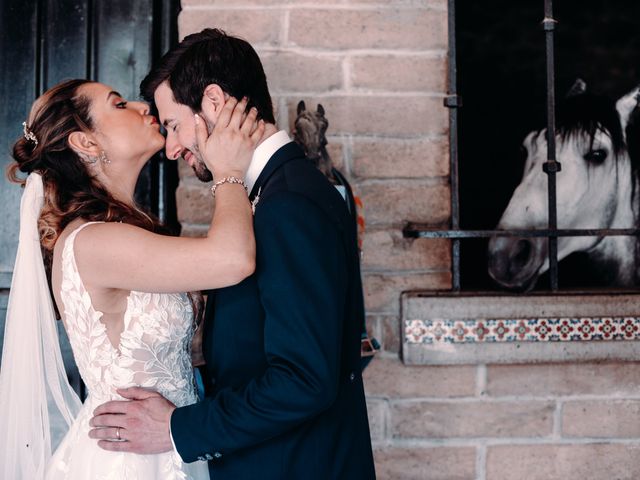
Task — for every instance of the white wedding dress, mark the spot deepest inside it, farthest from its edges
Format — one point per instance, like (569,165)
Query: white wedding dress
(154,352)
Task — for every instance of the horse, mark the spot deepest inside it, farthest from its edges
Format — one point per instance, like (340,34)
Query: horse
(310,132)
(597,187)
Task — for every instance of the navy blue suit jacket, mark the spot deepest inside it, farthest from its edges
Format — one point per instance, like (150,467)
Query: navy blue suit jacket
(283,346)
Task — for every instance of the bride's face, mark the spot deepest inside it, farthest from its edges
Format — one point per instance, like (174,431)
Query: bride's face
(125,130)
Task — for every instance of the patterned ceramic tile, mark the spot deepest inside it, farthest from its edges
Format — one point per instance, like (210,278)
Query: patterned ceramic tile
(522,330)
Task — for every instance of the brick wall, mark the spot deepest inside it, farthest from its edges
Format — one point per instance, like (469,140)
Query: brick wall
(379,69)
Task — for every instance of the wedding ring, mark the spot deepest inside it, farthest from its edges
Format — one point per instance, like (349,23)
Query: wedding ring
(118,433)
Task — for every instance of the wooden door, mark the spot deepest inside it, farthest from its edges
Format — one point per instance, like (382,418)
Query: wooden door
(43,42)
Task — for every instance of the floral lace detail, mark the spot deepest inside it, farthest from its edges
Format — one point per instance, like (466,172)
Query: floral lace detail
(154,350)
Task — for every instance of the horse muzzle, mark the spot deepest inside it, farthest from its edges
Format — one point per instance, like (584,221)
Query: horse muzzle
(515,263)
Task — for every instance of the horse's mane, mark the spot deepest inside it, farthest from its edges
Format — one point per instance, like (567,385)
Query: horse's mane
(632,133)
(588,113)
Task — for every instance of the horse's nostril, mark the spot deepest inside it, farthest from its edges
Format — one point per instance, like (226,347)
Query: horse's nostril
(521,256)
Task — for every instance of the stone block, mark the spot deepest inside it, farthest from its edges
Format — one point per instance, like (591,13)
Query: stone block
(398,73)
(415,463)
(390,337)
(376,409)
(472,419)
(194,230)
(382,291)
(400,158)
(194,203)
(293,72)
(387,249)
(564,462)
(408,28)
(601,418)
(558,379)
(258,27)
(388,377)
(400,201)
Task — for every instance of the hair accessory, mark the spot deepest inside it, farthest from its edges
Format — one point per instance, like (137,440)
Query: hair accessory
(28,134)
(233,180)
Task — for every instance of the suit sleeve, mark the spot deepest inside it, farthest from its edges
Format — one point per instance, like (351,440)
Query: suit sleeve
(302,279)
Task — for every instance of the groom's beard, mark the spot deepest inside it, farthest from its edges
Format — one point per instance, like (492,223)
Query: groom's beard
(201,171)
(199,167)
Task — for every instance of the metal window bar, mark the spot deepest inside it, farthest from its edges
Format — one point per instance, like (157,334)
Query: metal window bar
(453,102)
(551,167)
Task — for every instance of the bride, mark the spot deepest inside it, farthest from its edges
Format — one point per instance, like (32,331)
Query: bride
(113,276)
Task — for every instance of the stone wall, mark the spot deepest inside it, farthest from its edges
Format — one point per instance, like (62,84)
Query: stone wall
(379,69)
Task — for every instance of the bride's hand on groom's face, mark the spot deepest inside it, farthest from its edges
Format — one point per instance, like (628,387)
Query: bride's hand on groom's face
(138,425)
(229,148)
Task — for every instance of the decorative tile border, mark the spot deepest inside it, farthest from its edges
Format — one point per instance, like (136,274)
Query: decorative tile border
(522,330)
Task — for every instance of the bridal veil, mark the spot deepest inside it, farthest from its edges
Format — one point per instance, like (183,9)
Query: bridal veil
(37,404)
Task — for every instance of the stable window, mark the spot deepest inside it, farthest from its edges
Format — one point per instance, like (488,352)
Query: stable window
(544,188)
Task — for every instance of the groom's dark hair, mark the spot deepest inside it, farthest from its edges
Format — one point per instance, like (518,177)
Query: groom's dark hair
(212,56)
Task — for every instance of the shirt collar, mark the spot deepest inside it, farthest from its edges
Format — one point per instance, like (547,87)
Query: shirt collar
(261,156)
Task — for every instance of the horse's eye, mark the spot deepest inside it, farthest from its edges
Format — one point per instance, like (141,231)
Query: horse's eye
(596,156)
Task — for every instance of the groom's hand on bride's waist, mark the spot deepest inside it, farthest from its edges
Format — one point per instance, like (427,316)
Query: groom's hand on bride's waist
(139,425)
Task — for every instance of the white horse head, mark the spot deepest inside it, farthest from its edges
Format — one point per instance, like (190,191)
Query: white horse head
(595,189)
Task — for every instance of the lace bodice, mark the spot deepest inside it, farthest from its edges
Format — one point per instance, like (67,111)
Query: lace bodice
(154,349)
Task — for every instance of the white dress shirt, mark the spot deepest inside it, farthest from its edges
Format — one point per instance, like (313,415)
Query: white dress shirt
(261,156)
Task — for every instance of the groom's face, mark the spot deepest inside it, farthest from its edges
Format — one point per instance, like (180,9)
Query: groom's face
(179,122)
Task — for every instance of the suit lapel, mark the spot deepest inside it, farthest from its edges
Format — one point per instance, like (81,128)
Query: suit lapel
(283,155)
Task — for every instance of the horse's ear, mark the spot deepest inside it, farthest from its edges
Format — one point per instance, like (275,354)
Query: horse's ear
(301,107)
(626,105)
(321,109)
(578,88)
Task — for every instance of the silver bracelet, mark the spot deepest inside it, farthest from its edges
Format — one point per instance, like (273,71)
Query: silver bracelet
(233,180)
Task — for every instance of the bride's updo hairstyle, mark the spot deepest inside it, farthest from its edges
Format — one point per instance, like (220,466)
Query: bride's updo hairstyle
(70,189)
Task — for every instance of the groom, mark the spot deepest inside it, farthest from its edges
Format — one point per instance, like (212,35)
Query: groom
(282,347)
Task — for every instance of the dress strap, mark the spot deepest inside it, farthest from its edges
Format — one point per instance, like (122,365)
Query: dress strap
(68,254)
(68,244)
(73,234)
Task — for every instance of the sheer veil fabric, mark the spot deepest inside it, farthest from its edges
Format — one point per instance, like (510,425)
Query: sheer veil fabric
(37,404)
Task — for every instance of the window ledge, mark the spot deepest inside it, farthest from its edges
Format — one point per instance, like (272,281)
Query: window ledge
(440,329)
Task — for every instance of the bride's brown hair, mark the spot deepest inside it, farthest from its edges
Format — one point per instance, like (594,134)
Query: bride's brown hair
(70,190)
